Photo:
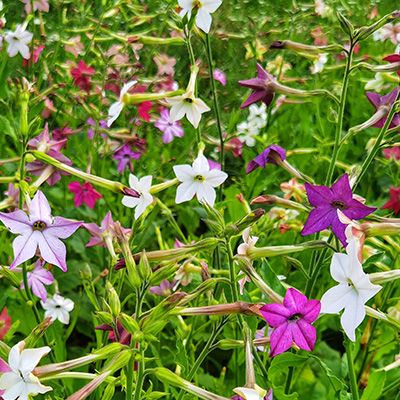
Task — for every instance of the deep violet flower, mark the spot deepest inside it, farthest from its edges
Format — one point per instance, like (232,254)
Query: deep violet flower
(327,201)
(39,229)
(386,101)
(102,125)
(124,156)
(169,129)
(268,156)
(84,193)
(292,322)
(394,202)
(261,90)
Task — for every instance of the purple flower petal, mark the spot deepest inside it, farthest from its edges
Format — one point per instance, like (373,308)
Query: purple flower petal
(275,314)
(281,339)
(319,219)
(294,301)
(304,334)
(265,158)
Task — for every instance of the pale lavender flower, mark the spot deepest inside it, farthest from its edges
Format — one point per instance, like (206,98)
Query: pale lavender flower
(102,125)
(124,155)
(169,129)
(164,289)
(38,278)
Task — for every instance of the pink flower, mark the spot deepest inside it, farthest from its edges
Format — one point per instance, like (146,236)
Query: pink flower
(394,202)
(84,193)
(165,64)
(169,129)
(38,278)
(319,38)
(219,76)
(393,152)
(164,289)
(34,56)
(39,5)
(293,189)
(74,46)
(5,324)
(48,108)
(143,110)
(82,75)
(292,322)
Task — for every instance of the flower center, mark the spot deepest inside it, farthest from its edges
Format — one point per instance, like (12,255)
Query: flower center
(39,226)
(295,317)
(2,323)
(199,178)
(188,100)
(339,205)
(197,4)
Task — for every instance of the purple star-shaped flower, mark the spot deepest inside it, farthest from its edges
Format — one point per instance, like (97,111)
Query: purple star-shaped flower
(386,101)
(270,155)
(262,90)
(38,278)
(327,201)
(39,229)
(169,130)
(124,156)
(292,322)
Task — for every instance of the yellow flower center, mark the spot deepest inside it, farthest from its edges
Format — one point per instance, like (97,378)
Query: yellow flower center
(188,100)
(339,205)
(39,226)
(199,178)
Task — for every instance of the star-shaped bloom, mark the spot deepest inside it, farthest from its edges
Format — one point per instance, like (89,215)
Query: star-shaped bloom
(199,180)
(19,381)
(142,186)
(353,291)
(169,129)
(39,230)
(293,189)
(262,91)
(187,105)
(271,155)
(84,193)
(292,322)
(386,102)
(40,5)
(204,9)
(327,201)
(165,64)
(82,74)
(58,308)
(124,155)
(38,278)
(18,42)
(116,108)
(394,202)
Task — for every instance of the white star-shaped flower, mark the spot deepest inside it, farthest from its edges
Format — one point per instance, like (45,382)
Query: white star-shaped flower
(58,308)
(204,7)
(18,42)
(187,105)
(198,180)
(248,241)
(19,382)
(116,108)
(142,186)
(253,394)
(353,291)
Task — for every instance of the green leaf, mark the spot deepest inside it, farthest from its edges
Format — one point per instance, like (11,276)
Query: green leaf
(271,279)
(336,383)
(6,128)
(285,360)
(180,356)
(4,296)
(375,386)
(279,393)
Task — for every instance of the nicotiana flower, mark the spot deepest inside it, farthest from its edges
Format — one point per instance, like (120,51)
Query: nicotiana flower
(292,322)
(199,180)
(394,202)
(39,230)
(219,76)
(116,108)
(81,75)
(142,186)
(384,103)
(246,131)
(58,308)
(40,5)
(169,129)
(393,58)
(5,323)
(353,291)
(124,155)
(269,156)
(293,188)
(38,278)
(327,201)
(18,42)
(393,152)
(204,9)
(245,393)
(84,193)
(164,289)
(165,64)
(19,381)
(319,63)
(248,241)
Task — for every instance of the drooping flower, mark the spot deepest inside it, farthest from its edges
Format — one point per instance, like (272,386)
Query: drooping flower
(292,322)
(39,5)
(394,202)
(84,193)
(199,180)
(327,201)
(58,308)
(169,129)
(165,64)
(19,381)
(142,186)
(269,156)
(39,230)
(81,75)
(204,9)
(38,278)
(18,42)
(384,102)
(248,241)
(124,155)
(353,291)
(116,108)
(261,90)
(293,189)
(219,76)
(5,323)
(393,152)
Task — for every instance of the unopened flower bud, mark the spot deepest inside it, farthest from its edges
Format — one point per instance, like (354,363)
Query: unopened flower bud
(248,220)
(114,302)
(345,24)
(305,49)
(129,324)
(366,31)
(278,201)
(144,268)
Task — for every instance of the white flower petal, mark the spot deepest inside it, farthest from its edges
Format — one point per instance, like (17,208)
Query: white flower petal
(186,191)
(248,394)
(203,20)
(184,172)
(215,177)
(335,299)
(206,193)
(340,268)
(200,165)
(353,315)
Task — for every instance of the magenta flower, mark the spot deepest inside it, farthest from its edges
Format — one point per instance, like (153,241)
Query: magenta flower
(5,325)
(261,90)
(124,155)
(292,322)
(102,125)
(393,152)
(38,278)
(327,201)
(394,58)
(82,74)
(394,202)
(84,193)
(386,101)
(39,230)
(269,156)
(219,76)
(169,129)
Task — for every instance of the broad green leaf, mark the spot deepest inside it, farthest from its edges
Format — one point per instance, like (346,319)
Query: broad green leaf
(336,383)
(283,361)
(271,279)
(279,393)
(375,385)
(180,356)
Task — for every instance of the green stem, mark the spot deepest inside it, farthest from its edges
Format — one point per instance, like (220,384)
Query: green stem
(339,125)
(352,374)
(140,378)
(289,380)
(390,387)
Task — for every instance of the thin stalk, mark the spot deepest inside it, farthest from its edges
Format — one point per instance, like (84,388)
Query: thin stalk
(289,380)
(352,373)
(339,125)
(139,378)
(390,387)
